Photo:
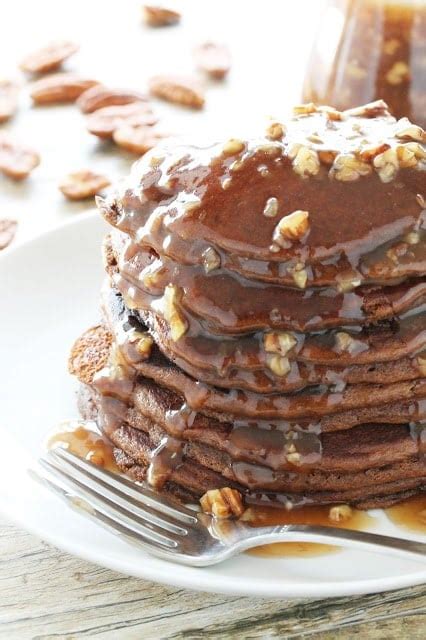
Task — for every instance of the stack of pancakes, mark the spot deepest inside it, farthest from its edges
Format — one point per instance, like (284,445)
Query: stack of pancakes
(264,322)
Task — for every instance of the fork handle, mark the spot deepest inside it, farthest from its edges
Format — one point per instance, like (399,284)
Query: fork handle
(364,540)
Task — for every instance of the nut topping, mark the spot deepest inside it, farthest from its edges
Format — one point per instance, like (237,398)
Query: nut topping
(83,184)
(408,131)
(369,110)
(60,87)
(345,342)
(222,503)
(214,59)
(211,259)
(178,324)
(7,232)
(281,342)
(275,131)
(340,512)
(398,73)
(293,226)
(412,237)
(99,96)
(270,209)
(278,365)
(300,276)
(305,161)
(233,146)
(138,139)
(177,89)
(387,165)
(305,109)
(16,161)
(347,168)
(48,58)
(156,16)
(9,92)
(103,122)
(144,345)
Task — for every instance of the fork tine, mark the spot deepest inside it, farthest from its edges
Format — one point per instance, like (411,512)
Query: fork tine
(141,494)
(117,497)
(144,528)
(110,524)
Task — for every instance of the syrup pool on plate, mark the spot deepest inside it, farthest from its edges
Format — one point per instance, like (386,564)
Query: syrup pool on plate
(346,518)
(85,443)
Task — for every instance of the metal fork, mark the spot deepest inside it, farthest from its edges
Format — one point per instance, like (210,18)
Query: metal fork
(174,532)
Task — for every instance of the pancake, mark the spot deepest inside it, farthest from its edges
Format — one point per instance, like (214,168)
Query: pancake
(264,314)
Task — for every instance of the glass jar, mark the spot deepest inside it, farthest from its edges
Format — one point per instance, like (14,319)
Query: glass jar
(370,49)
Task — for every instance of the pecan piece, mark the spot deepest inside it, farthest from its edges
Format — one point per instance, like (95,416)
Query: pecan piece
(156,16)
(222,503)
(212,58)
(49,57)
(7,232)
(99,96)
(8,99)
(139,139)
(83,184)
(105,121)
(16,160)
(60,87)
(177,89)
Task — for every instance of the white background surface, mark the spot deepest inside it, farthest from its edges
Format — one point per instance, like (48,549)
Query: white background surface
(269,42)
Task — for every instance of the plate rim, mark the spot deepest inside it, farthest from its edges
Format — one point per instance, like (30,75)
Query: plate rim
(200,579)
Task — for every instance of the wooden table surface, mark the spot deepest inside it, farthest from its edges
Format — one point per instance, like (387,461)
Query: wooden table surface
(45,593)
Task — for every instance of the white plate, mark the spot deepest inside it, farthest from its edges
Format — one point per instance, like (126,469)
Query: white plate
(49,290)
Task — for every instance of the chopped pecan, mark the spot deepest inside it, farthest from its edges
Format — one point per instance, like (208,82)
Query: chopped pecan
(211,259)
(212,58)
(49,57)
(60,87)
(223,503)
(278,364)
(369,110)
(280,342)
(275,130)
(340,512)
(157,16)
(178,89)
(7,232)
(293,226)
(99,96)
(103,122)
(305,161)
(139,139)
(347,168)
(406,130)
(172,314)
(16,160)
(398,73)
(83,184)
(270,209)
(9,92)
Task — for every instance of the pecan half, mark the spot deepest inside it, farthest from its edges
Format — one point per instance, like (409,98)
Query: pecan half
(139,139)
(16,160)
(7,232)
(212,58)
(9,92)
(156,16)
(105,121)
(99,96)
(83,184)
(60,87)
(177,89)
(49,57)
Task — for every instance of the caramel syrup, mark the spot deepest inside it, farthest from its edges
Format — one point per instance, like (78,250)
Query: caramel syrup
(410,514)
(261,516)
(86,444)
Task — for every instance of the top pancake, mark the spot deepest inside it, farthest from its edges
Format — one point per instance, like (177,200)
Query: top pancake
(360,178)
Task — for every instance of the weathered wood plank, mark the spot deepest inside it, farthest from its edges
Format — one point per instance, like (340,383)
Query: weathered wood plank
(46,594)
